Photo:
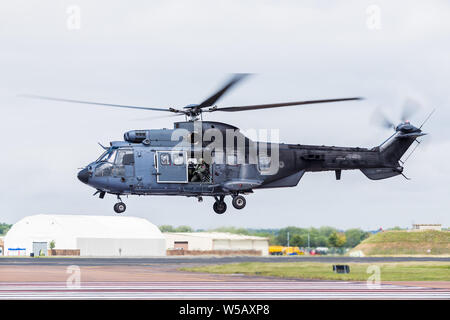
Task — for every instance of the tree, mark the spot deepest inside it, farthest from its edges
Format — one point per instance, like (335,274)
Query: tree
(183,229)
(4,228)
(166,228)
(281,238)
(299,240)
(232,230)
(52,244)
(320,241)
(354,237)
(337,239)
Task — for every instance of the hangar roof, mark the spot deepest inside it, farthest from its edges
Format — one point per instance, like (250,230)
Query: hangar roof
(84,226)
(218,235)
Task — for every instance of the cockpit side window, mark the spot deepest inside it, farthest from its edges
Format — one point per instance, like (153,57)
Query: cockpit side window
(124,157)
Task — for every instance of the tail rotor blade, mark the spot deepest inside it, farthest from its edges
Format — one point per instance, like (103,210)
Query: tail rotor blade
(381,120)
(410,107)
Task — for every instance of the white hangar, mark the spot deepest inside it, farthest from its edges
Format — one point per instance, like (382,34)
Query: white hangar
(216,241)
(91,235)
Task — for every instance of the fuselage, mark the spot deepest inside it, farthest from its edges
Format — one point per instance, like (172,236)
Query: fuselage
(193,160)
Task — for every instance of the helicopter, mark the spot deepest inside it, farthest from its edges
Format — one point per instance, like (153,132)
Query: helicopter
(206,158)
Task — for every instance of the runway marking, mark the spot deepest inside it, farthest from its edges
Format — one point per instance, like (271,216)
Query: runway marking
(217,290)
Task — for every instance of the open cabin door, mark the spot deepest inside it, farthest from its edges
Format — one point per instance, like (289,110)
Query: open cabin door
(172,167)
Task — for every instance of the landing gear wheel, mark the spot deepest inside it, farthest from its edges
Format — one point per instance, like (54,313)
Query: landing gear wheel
(239,202)
(220,207)
(120,207)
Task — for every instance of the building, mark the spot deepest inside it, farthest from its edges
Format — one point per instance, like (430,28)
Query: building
(421,227)
(85,236)
(216,242)
(1,246)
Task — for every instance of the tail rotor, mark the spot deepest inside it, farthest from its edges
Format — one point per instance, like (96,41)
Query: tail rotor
(404,130)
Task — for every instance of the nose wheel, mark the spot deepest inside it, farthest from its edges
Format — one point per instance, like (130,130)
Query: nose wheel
(120,207)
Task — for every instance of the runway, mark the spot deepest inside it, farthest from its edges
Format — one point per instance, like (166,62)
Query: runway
(161,278)
(264,290)
(88,261)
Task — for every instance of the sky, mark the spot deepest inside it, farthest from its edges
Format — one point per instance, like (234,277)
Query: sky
(174,53)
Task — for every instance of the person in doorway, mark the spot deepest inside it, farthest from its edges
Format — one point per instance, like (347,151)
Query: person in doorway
(200,172)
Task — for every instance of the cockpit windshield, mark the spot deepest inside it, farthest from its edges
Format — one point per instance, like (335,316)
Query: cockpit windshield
(107,156)
(117,162)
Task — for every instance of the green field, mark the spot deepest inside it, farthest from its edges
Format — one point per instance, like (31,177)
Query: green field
(406,243)
(402,271)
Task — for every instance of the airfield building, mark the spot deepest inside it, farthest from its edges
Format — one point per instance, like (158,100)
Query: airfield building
(422,227)
(85,236)
(216,243)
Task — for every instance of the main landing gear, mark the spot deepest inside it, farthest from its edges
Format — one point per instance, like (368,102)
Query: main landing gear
(120,207)
(239,202)
(220,206)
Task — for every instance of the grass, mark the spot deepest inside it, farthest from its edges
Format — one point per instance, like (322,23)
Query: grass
(429,237)
(402,271)
(406,243)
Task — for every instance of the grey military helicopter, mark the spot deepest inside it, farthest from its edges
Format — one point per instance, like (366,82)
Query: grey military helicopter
(205,158)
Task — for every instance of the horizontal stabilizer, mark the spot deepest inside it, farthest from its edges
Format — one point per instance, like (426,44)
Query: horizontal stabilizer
(380,173)
(290,181)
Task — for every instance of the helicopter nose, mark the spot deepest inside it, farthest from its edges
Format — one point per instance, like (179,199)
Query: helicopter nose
(83,176)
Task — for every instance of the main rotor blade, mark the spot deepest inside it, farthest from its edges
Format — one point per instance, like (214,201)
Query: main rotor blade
(165,116)
(278,105)
(216,96)
(100,104)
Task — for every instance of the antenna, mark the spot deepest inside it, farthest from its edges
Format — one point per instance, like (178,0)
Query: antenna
(105,148)
(418,142)
(429,116)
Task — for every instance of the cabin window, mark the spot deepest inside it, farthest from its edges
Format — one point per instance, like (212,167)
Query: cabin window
(231,159)
(217,157)
(164,159)
(264,163)
(178,159)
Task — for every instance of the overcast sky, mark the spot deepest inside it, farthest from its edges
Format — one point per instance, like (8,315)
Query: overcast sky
(174,53)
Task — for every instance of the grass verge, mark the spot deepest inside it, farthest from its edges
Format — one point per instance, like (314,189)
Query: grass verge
(402,271)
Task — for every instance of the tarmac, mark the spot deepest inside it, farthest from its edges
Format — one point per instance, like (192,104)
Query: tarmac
(111,261)
(160,278)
